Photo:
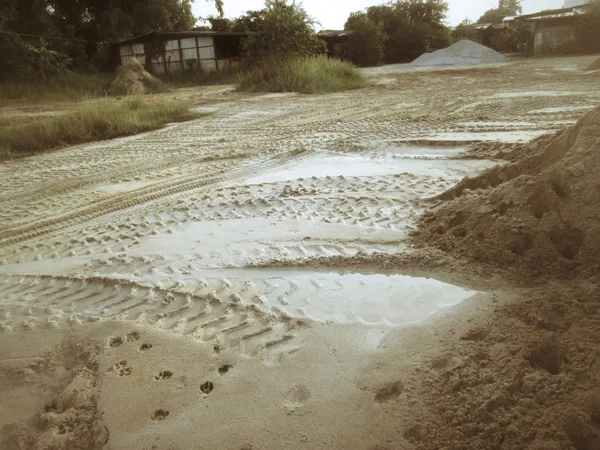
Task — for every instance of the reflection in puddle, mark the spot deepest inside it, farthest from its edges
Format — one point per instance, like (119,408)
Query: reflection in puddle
(373,299)
(323,164)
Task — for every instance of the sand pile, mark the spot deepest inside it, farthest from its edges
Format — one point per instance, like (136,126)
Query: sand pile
(460,53)
(132,79)
(594,66)
(538,215)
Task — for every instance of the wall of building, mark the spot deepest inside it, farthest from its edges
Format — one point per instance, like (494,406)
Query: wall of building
(550,37)
(187,53)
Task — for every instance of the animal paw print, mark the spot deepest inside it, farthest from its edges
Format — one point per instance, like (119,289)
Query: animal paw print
(123,369)
(164,375)
(160,414)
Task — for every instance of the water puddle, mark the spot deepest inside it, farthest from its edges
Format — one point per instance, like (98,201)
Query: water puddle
(489,136)
(538,94)
(373,299)
(562,109)
(414,152)
(323,164)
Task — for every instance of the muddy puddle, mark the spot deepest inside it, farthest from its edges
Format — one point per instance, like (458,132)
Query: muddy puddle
(489,136)
(373,299)
(324,164)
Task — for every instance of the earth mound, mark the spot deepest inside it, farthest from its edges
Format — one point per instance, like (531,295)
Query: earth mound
(539,215)
(460,53)
(132,79)
(594,66)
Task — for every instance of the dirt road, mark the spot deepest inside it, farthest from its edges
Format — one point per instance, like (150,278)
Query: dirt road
(174,290)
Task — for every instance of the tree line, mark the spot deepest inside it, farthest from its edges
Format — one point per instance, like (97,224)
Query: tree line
(39,38)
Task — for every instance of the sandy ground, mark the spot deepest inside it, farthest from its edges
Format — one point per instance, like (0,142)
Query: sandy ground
(247,280)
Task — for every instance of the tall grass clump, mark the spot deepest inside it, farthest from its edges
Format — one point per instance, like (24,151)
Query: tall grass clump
(67,86)
(91,121)
(304,74)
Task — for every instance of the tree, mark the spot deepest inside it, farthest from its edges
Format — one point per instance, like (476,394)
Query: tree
(465,30)
(512,5)
(366,40)
(285,31)
(412,27)
(79,32)
(587,29)
(250,22)
(505,8)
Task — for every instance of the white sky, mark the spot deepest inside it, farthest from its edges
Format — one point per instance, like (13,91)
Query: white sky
(332,14)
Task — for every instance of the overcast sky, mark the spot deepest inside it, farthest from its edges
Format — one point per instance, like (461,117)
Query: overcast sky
(332,14)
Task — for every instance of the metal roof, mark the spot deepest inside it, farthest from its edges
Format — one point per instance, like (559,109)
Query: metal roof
(178,35)
(557,16)
(551,14)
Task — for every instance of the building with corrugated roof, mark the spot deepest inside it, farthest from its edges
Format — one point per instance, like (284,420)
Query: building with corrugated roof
(170,52)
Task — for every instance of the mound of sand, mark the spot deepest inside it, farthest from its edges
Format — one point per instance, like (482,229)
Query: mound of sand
(539,215)
(594,66)
(132,79)
(460,53)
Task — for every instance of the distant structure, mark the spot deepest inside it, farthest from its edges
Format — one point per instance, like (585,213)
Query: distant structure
(171,52)
(554,29)
(336,42)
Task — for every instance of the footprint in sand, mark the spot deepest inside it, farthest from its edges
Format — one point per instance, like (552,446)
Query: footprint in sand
(133,336)
(164,375)
(115,341)
(145,347)
(160,414)
(122,368)
(389,392)
(224,369)
(207,387)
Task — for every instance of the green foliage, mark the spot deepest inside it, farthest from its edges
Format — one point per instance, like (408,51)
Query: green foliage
(366,41)
(505,8)
(66,86)
(412,27)
(466,30)
(252,21)
(91,121)
(306,74)
(587,29)
(285,31)
(220,24)
(77,33)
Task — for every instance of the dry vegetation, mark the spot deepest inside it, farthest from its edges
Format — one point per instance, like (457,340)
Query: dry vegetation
(93,120)
(307,75)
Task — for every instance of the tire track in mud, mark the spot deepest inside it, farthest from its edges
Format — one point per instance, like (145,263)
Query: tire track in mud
(131,199)
(355,201)
(223,317)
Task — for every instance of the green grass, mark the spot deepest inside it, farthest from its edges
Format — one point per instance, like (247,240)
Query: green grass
(90,121)
(307,75)
(66,87)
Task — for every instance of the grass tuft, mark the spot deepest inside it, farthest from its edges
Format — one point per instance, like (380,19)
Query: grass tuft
(90,121)
(307,75)
(65,87)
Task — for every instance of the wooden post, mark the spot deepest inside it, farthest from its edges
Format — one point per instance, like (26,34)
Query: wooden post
(180,55)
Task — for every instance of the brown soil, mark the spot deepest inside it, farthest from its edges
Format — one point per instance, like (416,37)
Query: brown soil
(539,215)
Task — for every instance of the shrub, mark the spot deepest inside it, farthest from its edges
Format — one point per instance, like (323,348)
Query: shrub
(366,40)
(93,120)
(285,31)
(307,75)
(587,29)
